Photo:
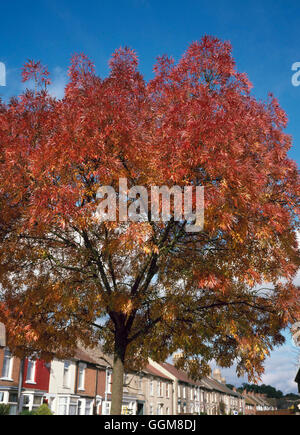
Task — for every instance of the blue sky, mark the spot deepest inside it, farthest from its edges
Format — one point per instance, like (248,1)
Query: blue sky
(264,35)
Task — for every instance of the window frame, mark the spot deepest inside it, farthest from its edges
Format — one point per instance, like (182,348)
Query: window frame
(88,406)
(81,376)
(32,365)
(108,381)
(167,390)
(10,365)
(151,387)
(67,374)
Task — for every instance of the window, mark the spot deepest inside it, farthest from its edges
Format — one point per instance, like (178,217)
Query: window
(63,406)
(179,409)
(160,408)
(106,408)
(151,387)
(79,409)
(167,390)
(178,390)
(27,401)
(13,398)
(184,392)
(37,401)
(30,402)
(108,381)
(81,376)
(73,406)
(66,380)
(160,389)
(88,407)
(30,371)
(7,365)
(13,402)
(1,397)
(151,409)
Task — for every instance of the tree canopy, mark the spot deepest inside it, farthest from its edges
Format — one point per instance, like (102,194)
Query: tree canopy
(146,289)
(268,390)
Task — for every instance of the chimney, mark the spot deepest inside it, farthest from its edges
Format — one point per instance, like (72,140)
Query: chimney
(177,356)
(217,375)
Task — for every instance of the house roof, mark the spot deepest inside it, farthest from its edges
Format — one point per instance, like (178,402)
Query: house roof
(96,355)
(207,383)
(155,372)
(2,335)
(249,400)
(81,355)
(218,386)
(181,376)
(260,400)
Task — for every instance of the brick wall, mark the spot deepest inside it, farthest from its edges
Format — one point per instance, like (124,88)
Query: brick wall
(42,376)
(89,382)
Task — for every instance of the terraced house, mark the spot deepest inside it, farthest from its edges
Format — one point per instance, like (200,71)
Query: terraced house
(209,396)
(82,385)
(30,377)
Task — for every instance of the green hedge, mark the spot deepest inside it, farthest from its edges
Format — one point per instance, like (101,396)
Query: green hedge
(42,410)
(4,409)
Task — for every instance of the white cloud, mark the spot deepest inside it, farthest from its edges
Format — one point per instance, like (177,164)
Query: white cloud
(280,369)
(58,82)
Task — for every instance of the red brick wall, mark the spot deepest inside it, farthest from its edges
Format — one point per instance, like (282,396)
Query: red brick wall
(15,371)
(101,383)
(101,387)
(42,376)
(89,382)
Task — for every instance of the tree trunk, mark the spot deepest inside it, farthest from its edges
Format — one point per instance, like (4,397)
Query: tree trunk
(118,373)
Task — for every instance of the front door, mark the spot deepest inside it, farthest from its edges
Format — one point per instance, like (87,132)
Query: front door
(140,408)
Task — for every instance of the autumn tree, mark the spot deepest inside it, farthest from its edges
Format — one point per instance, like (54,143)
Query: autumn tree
(148,288)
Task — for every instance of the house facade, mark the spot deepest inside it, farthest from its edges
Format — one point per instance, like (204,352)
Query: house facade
(75,385)
(82,385)
(256,402)
(35,384)
(158,391)
(9,380)
(209,396)
(33,380)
